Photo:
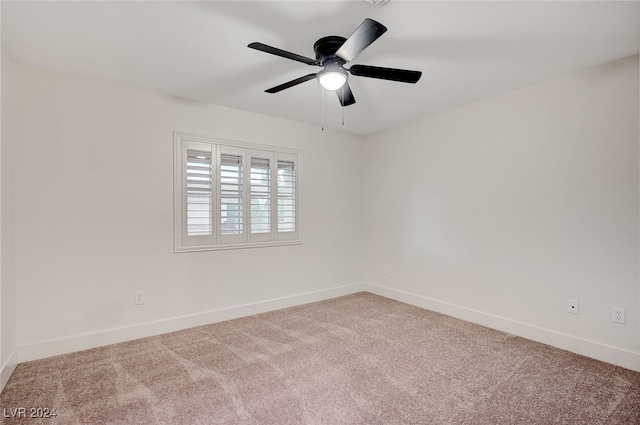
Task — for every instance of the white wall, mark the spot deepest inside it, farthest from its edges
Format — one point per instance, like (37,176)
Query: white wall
(94,209)
(8,343)
(502,210)
(497,212)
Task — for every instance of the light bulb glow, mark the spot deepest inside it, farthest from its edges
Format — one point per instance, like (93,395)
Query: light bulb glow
(332,80)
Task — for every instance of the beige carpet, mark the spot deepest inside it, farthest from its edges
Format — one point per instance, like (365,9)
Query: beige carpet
(359,359)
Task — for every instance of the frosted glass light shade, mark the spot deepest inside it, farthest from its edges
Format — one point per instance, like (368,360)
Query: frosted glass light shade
(332,80)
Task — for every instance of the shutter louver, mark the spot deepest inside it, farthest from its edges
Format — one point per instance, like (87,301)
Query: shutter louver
(231,195)
(199,193)
(286,196)
(260,195)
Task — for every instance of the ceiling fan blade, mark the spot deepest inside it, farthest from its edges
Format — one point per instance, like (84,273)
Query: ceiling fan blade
(368,32)
(291,83)
(345,95)
(393,74)
(283,53)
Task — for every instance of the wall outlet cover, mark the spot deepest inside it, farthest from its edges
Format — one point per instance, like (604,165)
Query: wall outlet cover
(573,307)
(619,315)
(139,298)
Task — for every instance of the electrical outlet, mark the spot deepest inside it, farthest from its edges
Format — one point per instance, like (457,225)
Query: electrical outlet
(619,315)
(573,307)
(139,299)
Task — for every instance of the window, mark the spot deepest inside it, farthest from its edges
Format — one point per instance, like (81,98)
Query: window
(234,195)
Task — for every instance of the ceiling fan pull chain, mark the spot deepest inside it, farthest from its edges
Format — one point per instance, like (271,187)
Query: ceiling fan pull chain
(322,99)
(342,109)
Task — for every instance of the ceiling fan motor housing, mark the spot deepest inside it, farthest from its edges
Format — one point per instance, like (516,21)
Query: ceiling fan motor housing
(326,49)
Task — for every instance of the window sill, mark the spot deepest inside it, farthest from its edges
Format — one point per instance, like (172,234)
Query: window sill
(198,248)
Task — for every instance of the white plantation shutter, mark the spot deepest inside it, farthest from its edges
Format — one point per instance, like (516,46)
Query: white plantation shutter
(286,196)
(288,207)
(234,195)
(193,202)
(199,193)
(231,195)
(260,195)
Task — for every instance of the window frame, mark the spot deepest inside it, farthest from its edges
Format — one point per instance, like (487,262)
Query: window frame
(216,240)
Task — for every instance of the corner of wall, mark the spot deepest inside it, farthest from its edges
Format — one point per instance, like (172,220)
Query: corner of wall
(8,340)
(7,369)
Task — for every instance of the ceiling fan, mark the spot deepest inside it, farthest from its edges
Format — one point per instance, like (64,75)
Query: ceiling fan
(332,53)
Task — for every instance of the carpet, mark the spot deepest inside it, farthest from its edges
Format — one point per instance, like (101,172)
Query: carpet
(358,359)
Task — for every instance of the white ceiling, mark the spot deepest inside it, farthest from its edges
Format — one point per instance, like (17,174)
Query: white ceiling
(467,51)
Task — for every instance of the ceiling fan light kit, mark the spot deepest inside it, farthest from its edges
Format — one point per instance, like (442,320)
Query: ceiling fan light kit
(332,79)
(332,53)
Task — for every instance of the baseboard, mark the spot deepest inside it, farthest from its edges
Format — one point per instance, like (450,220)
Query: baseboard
(7,369)
(595,350)
(609,354)
(75,343)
